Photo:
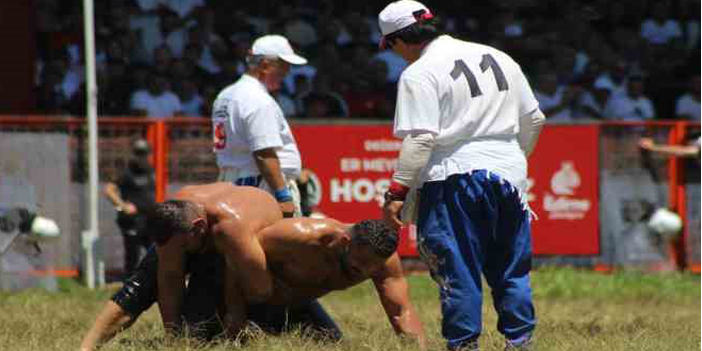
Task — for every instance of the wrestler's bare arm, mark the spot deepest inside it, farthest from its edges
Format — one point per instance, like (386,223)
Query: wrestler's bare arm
(111,320)
(245,259)
(171,283)
(394,296)
(287,236)
(235,308)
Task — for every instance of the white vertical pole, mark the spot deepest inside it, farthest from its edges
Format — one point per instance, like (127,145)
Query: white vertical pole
(91,261)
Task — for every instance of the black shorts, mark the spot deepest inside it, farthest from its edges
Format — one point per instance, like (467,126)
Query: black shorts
(205,292)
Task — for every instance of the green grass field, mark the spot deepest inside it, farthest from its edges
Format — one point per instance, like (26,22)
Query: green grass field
(577,310)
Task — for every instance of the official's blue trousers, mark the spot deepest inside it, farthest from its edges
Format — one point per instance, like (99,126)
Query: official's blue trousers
(468,224)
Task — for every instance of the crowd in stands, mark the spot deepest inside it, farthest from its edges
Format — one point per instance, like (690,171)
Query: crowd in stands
(603,59)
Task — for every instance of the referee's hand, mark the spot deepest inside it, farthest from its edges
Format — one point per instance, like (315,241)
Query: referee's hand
(288,209)
(391,213)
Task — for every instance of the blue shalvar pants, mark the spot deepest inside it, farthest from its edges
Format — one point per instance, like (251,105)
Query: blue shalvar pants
(468,224)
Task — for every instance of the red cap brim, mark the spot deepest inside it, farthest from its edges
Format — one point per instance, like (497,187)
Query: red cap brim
(382,44)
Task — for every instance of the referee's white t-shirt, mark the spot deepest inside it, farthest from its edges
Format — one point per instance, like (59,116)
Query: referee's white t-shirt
(245,119)
(471,97)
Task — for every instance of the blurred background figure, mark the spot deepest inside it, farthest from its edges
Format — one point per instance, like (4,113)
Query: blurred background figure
(190,98)
(660,38)
(555,100)
(632,105)
(157,100)
(687,106)
(691,149)
(133,194)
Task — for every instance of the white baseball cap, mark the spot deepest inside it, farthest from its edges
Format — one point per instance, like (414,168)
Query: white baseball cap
(400,14)
(277,46)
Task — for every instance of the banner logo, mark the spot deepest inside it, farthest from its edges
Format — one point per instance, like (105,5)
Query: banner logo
(562,204)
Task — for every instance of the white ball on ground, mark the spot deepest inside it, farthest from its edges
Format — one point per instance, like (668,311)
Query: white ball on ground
(665,223)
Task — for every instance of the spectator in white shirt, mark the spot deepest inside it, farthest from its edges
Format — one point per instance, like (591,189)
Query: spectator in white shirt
(306,71)
(593,102)
(396,64)
(157,101)
(689,11)
(661,29)
(209,43)
(299,31)
(191,101)
(632,106)
(688,105)
(286,103)
(175,33)
(147,25)
(149,5)
(183,8)
(614,79)
(555,101)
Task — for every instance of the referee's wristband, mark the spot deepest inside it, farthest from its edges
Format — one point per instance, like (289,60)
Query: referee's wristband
(282,195)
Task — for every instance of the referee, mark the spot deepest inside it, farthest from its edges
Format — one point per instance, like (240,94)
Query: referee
(252,140)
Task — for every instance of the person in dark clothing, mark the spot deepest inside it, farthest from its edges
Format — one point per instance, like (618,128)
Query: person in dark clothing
(133,194)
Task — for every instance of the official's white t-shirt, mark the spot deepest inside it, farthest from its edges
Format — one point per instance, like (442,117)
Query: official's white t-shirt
(470,96)
(164,105)
(245,119)
(686,105)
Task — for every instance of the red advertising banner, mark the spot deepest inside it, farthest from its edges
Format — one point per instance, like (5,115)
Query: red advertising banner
(563,192)
(352,166)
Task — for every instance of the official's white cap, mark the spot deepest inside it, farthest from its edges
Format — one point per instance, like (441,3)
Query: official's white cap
(277,46)
(400,14)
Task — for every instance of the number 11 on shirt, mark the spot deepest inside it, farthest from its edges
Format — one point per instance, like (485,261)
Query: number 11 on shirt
(487,62)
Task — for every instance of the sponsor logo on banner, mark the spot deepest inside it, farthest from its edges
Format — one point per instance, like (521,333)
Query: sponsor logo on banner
(562,202)
(358,190)
(315,191)
(365,189)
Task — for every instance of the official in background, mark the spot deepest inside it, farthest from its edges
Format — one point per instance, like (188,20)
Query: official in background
(252,140)
(133,194)
(468,119)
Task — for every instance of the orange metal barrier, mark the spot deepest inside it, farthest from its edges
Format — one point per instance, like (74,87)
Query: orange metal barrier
(182,155)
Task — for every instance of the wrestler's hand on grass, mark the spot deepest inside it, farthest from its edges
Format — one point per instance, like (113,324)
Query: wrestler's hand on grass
(391,213)
(288,209)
